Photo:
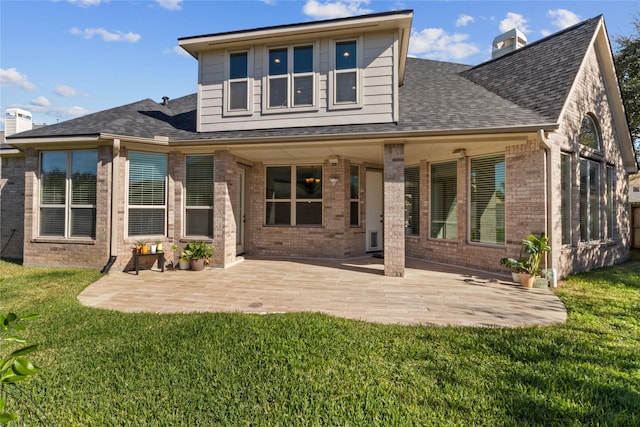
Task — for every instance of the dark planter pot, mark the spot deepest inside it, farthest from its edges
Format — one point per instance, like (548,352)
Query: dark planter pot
(197,264)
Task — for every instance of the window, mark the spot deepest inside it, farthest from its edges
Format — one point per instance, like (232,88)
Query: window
(290,82)
(147,194)
(294,195)
(68,193)
(444,201)
(199,196)
(611,182)
(487,200)
(589,134)
(354,185)
(589,200)
(565,197)
(238,96)
(412,201)
(346,73)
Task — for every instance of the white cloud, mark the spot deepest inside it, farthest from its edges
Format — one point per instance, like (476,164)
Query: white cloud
(464,20)
(335,9)
(269,2)
(176,50)
(41,105)
(435,43)
(563,18)
(12,77)
(170,4)
(40,101)
(514,20)
(85,3)
(67,91)
(107,36)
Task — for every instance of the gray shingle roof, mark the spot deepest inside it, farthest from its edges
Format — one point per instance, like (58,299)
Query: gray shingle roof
(538,76)
(525,88)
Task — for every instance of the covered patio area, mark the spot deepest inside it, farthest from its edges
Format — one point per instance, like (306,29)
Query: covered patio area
(356,288)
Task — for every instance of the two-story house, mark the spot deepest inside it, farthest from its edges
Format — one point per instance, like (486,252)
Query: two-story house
(324,139)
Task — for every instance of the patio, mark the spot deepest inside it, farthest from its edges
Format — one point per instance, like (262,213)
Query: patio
(354,288)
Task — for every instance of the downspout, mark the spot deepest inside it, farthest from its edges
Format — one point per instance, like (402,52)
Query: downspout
(547,202)
(113,249)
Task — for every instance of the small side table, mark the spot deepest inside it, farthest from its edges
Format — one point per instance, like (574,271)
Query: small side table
(158,255)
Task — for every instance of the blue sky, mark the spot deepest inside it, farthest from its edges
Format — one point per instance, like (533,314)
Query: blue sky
(61,59)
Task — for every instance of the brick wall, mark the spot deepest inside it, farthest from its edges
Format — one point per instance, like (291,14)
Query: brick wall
(11,206)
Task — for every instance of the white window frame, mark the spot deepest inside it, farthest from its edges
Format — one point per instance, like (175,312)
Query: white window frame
(292,200)
(333,104)
(228,81)
(68,203)
(186,208)
(290,76)
(129,207)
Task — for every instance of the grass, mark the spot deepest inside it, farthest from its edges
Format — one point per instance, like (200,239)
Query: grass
(109,368)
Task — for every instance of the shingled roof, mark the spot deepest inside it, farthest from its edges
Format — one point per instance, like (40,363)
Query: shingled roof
(538,76)
(525,88)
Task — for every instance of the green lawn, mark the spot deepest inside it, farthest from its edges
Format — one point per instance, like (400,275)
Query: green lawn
(107,368)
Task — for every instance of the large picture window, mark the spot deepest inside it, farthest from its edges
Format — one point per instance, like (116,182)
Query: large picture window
(589,200)
(147,199)
(444,201)
(294,195)
(199,196)
(68,194)
(566,179)
(290,82)
(487,200)
(412,201)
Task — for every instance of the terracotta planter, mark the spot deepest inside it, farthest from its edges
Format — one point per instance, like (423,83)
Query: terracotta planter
(527,280)
(197,264)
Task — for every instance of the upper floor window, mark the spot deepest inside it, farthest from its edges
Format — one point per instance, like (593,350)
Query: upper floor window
(290,82)
(238,92)
(346,73)
(589,134)
(68,193)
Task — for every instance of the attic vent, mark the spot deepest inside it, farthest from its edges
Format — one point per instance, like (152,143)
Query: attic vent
(508,42)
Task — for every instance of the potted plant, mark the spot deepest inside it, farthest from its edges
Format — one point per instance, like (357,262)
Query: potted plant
(183,260)
(535,248)
(198,254)
(515,265)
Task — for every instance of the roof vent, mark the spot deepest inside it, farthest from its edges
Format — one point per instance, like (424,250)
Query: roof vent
(165,100)
(17,120)
(508,42)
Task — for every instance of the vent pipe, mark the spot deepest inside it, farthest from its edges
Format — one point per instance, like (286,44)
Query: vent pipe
(165,100)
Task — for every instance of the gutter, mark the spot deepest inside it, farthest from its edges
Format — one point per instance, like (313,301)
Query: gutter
(549,260)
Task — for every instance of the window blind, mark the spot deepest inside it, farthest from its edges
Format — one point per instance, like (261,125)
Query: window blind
(444,201)
(412,200)
(199,181)
(487,200)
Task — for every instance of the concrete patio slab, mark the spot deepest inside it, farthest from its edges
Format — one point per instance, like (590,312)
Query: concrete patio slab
(429,293)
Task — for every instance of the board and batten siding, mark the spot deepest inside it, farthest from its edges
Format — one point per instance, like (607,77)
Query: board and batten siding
(379,83)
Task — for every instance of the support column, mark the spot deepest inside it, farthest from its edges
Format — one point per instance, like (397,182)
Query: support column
(394,250)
